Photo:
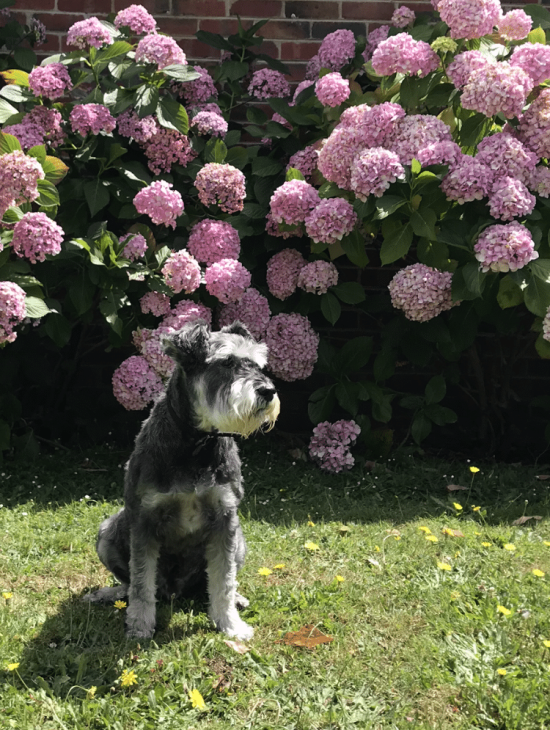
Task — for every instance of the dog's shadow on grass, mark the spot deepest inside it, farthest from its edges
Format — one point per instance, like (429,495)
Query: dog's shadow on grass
(83,645)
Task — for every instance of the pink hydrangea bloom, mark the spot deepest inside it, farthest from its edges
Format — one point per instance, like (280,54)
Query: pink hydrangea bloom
(301,86)
(198,91)
(89,32)
(439,153)
(222,185)
(332,89)
(159,49)
(29,134)
(510,199)
(130,125)
(292,201)
(209,123)
(227,280)
(186,311)
(154,302)
(373,170)
(50,122)
(19,176)
(135,383)
(136,246)
(317,276)
(463,65)
(415,132)
(373,126)
(167,147)
(331,220)
(539,181)
(272,228)
(329,447)
(402,54)
(137,19)
(514,26)
(374,38)
(402,17)
(506,155)
(151,347)
(499,87)
(313,67)
(305,160)
(505,247)
(50,81)
(212,240)
(534,59)
(337,154)
(267,83)
(12,310)
(181,272)
(252,310)
(469,180)
(160,202)
(282,272)
(94,118)
(36,236)
(421,292)
(546,326)
(292,344)
(534,125)
(470,18)
(337,49)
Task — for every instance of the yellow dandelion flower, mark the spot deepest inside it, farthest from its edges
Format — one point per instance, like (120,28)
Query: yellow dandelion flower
(376,549)
(339,579)
(264,571)
(457,506)
(447,531)
(477,533)
(197,699)
(547,543)
(431,538)
(426,530)
(486,544)
(128,678)
(120,604)
(475,509)
(310,523)
(546,643)
(7,595)
(509,546)
(443,566)
(538,573)
(502,672)
(474,469)
(503,610)
(311,545)
(13,667)
(397,537)
(90,694)
(279,566)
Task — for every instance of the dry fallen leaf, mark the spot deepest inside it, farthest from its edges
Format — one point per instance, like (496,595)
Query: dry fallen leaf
(344,529)
(524,519)
(308,637)
(456,488)
(237,646)
(542,477)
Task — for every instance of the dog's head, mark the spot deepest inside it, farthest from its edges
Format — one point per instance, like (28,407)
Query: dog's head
(228,389)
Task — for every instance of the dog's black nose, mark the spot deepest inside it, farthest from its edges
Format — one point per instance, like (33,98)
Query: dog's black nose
(267,394)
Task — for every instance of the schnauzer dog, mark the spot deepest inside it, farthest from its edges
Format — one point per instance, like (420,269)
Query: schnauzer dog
(183,481)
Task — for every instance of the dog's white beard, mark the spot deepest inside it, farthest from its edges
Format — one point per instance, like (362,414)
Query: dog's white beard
(240,414)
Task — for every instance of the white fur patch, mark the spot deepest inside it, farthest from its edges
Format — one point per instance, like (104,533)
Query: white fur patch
(237,346)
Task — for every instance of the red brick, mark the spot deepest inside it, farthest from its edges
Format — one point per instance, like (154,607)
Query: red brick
(178,27)
(297,71)
(223,26)
(199,8)
(255,9)
(286,30)
(367,11)
(155,7)
(308,9)
(268,47)
(51,45)
(298,51)
(194,49)
(58,21)
(35,4)
(90,7)
(322,29)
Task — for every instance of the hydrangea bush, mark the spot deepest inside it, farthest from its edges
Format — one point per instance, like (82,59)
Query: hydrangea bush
(131,204)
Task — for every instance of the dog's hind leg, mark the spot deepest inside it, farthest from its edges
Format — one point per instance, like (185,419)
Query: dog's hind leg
(141,612)
(112,549)
(221,554)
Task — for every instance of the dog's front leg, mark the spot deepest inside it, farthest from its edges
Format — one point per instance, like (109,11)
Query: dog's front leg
(140,616)
(221,567)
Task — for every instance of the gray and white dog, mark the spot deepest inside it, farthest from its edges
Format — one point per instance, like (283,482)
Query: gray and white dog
(183,481)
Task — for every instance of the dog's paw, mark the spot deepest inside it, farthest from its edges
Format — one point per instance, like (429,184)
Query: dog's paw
(241,601)
(236,628)
(140,624)
(109,594)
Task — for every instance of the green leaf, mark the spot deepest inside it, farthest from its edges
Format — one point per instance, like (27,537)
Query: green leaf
(509,293)
(109,309)
(396,243)
(537,296)
(421,427)
(321,403)
(416,167)
(349,292)
(16,94)
(48,195)
(423,223)
(147,98)
(384,363)
(330,307)
(16,76)
(6,111)
(172,115)
(439,414)
(411,402)
(8,143)
(474,129)
(293,174)
(38,152)
(542,346)
(435,389)
(540,15)
(36,308)
(118,48)
(266,167)
(179,72)
(97,195)
(215,151)
(382,409)
(388,204)
(354,355)
(347,396)
(432,253)
(474,278)
(256,115)
(541,269)
(537,35)
(234,70)
(237,156)
(58,328)
(354,248)
(215,40)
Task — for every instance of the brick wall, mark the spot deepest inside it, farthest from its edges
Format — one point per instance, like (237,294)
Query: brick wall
(293,34)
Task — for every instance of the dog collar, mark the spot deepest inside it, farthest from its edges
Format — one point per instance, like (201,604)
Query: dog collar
(201,438)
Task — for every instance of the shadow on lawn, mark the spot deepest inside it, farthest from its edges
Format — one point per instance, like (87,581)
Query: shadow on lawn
(84,645)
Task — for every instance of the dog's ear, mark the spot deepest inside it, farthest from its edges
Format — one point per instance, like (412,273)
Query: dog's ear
(190,346)
(237,328)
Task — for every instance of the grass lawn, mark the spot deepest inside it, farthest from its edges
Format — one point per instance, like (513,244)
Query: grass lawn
(439,612)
